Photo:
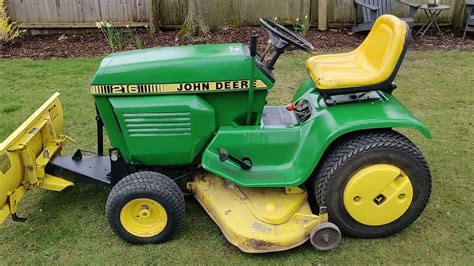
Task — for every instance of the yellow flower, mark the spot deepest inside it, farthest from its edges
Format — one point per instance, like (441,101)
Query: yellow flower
(146,26)
(306,17)
(297,19)
(127,26)
(108,25)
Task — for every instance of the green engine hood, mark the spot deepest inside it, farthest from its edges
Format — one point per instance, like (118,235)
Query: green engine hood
(178,64)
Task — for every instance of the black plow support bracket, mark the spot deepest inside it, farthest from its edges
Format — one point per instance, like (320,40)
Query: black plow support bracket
(89,169)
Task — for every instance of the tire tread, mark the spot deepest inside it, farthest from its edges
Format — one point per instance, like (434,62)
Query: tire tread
(153,182)
(356,144)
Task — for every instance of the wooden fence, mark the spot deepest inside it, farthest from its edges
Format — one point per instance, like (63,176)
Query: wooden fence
(77,13)
(84,13)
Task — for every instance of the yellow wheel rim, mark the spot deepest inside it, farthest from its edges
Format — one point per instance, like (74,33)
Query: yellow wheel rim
(378,194)
(143,217)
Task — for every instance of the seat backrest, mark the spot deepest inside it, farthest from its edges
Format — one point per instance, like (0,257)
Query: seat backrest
(383,5)
(384,47)
(469,7)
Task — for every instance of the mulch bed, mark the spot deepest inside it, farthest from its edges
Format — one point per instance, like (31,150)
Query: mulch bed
(94,44)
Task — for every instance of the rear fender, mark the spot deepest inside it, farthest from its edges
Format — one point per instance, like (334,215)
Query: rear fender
(330,123)
(287,156)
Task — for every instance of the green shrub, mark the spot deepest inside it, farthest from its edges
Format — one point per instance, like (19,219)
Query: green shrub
(8,29)
(302,27)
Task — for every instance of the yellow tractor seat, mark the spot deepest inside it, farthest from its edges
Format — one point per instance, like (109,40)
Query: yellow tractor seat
(371,66)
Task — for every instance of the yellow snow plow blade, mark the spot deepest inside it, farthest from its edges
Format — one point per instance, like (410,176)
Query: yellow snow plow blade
(25,154)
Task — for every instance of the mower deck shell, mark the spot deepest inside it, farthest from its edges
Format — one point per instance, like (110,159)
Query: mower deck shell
(256,220)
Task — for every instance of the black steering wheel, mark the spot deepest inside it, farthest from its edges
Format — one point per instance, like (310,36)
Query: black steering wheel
(279,33)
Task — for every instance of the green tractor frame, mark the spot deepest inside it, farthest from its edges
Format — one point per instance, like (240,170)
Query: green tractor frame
(194,119)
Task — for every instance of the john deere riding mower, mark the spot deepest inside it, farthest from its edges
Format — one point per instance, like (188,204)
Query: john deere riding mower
(194,119)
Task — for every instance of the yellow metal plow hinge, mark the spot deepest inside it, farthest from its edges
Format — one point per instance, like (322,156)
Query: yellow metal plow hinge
(41,135)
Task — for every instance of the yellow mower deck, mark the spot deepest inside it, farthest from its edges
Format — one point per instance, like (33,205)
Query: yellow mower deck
(25,154)
(257,220)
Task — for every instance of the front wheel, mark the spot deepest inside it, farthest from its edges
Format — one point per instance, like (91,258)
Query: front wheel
(374,183)
(145,207)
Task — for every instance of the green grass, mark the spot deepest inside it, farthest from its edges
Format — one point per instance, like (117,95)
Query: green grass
(70,227)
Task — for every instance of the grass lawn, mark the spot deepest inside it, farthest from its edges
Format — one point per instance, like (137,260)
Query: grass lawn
(71,227)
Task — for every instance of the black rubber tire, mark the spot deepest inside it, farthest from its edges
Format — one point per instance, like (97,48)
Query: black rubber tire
(151,185)
(359,150)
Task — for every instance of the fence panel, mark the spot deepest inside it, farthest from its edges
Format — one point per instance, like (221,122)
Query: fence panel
(81,12)
(173,12)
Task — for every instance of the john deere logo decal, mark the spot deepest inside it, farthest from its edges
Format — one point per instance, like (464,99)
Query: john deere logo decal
(179,87)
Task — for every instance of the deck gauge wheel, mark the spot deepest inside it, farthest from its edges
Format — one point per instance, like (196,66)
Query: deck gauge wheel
(325,236)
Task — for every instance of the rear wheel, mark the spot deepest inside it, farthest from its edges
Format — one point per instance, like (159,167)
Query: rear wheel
(373,183)
(145,207)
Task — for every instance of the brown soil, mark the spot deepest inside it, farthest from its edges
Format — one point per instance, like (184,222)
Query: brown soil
(94,44)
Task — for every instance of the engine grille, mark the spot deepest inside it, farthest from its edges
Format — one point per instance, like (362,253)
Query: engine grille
(157,124)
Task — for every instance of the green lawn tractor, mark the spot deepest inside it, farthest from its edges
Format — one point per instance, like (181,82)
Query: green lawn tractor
(194,120)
